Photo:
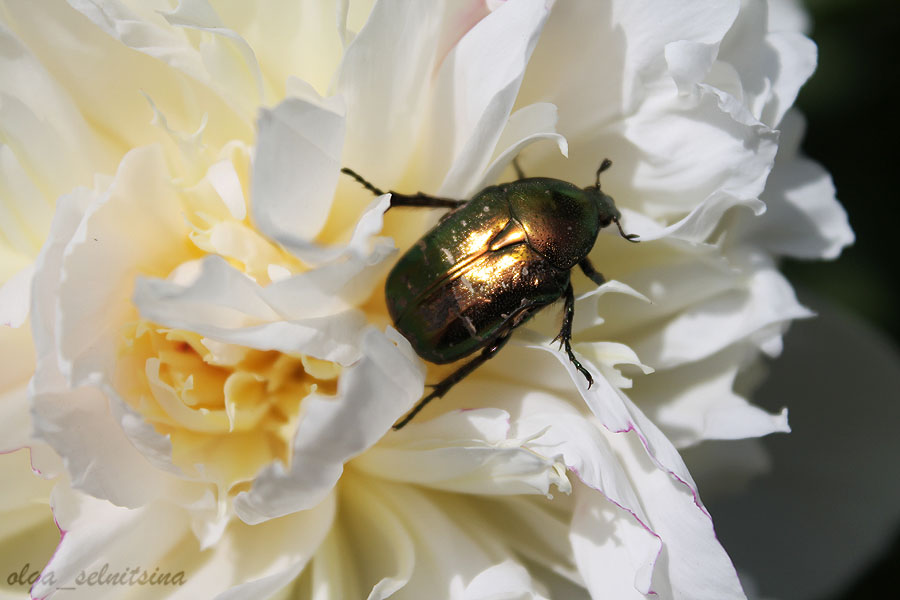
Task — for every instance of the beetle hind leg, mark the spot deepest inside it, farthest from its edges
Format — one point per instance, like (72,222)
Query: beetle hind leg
(565,333)
(448,382)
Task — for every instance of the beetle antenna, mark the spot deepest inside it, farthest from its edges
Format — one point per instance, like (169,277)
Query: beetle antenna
(603,166)
(362,181)
(631,237)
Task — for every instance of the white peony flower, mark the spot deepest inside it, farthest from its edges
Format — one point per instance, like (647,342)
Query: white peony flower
(215,365)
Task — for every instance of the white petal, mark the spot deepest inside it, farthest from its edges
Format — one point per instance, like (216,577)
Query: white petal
(15,296)
(371,529)
(101,538)
(506,581)
(16,367)
(381,77)
(333,288)
(698,402)
(468,452)
(25,210)
(92,308)
(105,77)
(270,554)
(101,459)
(554,427)
(347,277)
(650,26)
(451,544)
(94,529)
(668,494)
(693,565)
(295,172)
(24,488)
(42,126)
(697,226)
(224,179)
(144,31)
(615,553)
(526,126)
(16,428)
(474,94)
(238,81)
(771,65)
(46,280)
(226,306)
(619,48)
(219,294)
(588,90)
(372,394)
(537,528)
(587,307)
(28,534)
(611,501)
(710,325)
(803,218)
(788,15)
(288,38)
(686,150)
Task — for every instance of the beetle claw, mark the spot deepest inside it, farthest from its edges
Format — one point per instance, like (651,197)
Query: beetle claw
(631,237)
(587,376)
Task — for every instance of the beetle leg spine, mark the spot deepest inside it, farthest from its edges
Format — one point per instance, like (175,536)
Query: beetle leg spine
(565,334)
(359,178)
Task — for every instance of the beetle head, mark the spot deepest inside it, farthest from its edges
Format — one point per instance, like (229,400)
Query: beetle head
(606,206)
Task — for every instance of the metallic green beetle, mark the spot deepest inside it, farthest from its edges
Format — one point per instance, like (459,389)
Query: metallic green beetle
(490,264)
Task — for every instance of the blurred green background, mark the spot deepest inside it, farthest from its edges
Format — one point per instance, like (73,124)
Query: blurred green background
(854,130)
(851,107)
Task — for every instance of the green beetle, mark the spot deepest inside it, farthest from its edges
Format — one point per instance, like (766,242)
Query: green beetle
(490,264)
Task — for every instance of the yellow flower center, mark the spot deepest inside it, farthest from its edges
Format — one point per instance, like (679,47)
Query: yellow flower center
(227,410)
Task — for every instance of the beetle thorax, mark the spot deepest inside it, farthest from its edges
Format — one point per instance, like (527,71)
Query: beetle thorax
(561,221)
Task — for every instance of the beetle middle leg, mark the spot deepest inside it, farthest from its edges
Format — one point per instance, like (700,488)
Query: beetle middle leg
(565,333)
(448,382)
(588,268)
(519,172)
(419,199)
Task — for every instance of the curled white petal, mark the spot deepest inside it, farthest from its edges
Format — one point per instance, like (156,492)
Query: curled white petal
(334,430)
(475,91)
(295,172)
(467,451)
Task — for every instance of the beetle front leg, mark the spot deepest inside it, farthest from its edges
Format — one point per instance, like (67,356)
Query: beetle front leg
(448,382)
(423,201)
(588,267)
(418,200)
(565,333)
